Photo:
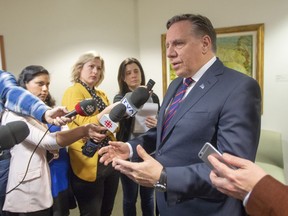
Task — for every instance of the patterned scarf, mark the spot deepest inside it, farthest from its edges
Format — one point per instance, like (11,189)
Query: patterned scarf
(100,105)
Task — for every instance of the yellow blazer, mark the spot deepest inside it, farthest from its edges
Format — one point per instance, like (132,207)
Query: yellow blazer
(84,167)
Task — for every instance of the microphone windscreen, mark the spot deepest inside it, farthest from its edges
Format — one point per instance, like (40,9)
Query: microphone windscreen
(13,133)
(117,113)
(86,107)
(139,96)
(19,130)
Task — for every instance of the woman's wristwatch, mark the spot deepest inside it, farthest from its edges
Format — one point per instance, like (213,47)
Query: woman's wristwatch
(161,184)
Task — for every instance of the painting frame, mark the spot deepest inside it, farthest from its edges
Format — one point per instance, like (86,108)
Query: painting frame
(257,30)
(2,54)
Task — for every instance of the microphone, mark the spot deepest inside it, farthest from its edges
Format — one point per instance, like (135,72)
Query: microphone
(84,108)
(129,105)
(13,133)
(110,121)
(134,100)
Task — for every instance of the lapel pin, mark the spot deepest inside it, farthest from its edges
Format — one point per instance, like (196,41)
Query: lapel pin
(202,86)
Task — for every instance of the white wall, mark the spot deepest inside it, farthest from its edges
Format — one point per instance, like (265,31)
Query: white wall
(224,13)
(54,33)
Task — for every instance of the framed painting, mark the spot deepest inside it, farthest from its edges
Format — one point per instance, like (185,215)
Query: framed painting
(239,47)
(2,54)
(242,48)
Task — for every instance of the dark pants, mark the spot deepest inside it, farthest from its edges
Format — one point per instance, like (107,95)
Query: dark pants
(45,212)
(130,194)
(4,171)
(96,198)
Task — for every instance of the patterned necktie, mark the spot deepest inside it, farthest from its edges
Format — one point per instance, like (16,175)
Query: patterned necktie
(175,103)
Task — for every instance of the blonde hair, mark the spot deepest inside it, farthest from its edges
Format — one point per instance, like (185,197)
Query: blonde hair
(83,59)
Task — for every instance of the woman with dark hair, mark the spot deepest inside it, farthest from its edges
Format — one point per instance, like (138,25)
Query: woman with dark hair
(63,198)
(29,183)
(28,105)
(131,76)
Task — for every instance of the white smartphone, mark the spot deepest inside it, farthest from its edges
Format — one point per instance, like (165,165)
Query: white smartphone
(207,150)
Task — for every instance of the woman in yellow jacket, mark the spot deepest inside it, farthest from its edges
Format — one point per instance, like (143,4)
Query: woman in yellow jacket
(94,184)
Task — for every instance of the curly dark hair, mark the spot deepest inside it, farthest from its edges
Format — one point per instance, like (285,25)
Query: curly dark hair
(29,73)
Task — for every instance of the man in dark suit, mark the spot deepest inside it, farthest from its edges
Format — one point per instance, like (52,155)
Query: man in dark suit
(221,106)
(250,183)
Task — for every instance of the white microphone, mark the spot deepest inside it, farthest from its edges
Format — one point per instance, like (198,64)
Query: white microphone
(110,121)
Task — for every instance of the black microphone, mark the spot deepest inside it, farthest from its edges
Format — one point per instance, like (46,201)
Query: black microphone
(84,108)
(110,121)
(133,101)
(13,133)
(118,112)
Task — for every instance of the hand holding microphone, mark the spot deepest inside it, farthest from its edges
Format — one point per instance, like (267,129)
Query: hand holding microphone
(130,105)
(110,122)
(56,115)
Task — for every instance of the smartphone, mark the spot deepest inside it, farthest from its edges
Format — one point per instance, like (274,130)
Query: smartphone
(150,84)
(207,150)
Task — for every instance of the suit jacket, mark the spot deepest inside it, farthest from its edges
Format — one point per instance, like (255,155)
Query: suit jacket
(224,108)
(34,193)
(268,197)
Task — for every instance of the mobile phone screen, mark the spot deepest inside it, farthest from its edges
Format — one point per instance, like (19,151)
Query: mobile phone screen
(206,150)
(209,149)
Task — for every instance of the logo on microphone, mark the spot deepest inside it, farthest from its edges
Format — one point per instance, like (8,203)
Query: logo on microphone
(90,109)
(108,124)
(129,109)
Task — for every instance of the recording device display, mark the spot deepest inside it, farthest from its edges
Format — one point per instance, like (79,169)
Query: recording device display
(90,147)
(84,108)
(13,133)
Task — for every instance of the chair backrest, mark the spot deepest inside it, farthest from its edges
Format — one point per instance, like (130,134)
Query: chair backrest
(270,148)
